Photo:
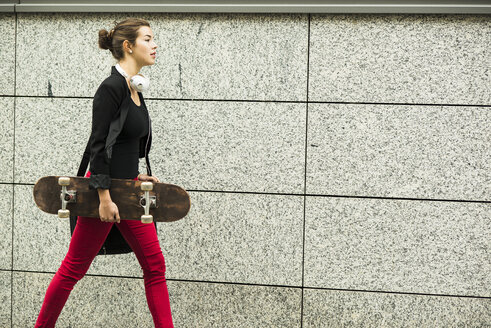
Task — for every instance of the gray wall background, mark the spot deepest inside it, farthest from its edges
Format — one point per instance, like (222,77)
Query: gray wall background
(338,165)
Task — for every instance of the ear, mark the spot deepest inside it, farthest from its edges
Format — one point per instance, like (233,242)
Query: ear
(126,45)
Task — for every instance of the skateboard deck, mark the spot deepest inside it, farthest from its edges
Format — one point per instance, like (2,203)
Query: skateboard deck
(71,196)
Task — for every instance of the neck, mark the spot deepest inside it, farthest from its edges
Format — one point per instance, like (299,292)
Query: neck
(130,66)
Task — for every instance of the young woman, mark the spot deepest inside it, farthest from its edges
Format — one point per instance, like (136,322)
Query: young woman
(121,134)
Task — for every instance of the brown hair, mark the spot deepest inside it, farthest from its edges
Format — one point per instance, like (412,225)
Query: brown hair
(124,30)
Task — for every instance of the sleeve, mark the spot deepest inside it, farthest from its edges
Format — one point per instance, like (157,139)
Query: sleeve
(105,107)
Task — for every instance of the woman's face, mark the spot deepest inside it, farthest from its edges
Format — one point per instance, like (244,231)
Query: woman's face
(144,51)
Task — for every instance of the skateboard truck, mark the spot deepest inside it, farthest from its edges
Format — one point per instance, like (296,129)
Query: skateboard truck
(66,196)
(147,217)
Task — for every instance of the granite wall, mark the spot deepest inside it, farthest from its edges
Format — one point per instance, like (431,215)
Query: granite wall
(339,168)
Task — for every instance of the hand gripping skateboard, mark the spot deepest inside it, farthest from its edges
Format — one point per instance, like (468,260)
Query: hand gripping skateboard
(136,200)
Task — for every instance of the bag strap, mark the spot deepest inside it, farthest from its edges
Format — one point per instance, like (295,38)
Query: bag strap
(149,170)
(85,161)
(82,169)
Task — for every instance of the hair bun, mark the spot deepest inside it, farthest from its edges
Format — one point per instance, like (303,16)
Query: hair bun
(105,39)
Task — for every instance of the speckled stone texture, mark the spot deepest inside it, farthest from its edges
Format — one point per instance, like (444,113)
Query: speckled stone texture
(117,265)
(94,302)
(6,203)
(5,298)
(120,302)
(396,245)
(243,146)
(7,53)
(225,237)
(424,59)
(233,306)
(230,146)
(40,239)
(64,48)
(436,152)
(231,56)
(6,138)
(50,136)
(237,238)
(204,56)
(324,308)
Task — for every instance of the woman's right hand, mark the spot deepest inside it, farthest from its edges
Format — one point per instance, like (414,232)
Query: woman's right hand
(108,212)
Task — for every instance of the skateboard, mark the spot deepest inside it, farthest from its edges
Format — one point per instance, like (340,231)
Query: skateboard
(136,200)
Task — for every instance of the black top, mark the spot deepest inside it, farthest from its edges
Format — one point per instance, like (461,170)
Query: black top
(112,102)
(124,162)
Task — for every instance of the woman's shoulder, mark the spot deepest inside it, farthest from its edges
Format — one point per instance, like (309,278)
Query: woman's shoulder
(113,84)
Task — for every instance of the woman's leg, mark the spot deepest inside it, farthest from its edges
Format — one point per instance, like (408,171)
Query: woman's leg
(87,240)
(143,239)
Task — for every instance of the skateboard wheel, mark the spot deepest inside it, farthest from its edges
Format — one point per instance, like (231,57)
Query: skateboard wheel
(63,181)
(147,218)
(147,185)
(63,214)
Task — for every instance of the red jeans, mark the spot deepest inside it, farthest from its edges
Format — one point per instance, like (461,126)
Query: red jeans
(86,241)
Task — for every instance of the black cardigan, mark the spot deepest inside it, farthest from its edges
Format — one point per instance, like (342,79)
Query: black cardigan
(109,110)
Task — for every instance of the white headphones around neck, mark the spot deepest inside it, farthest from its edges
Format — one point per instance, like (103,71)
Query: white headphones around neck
(138,82)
